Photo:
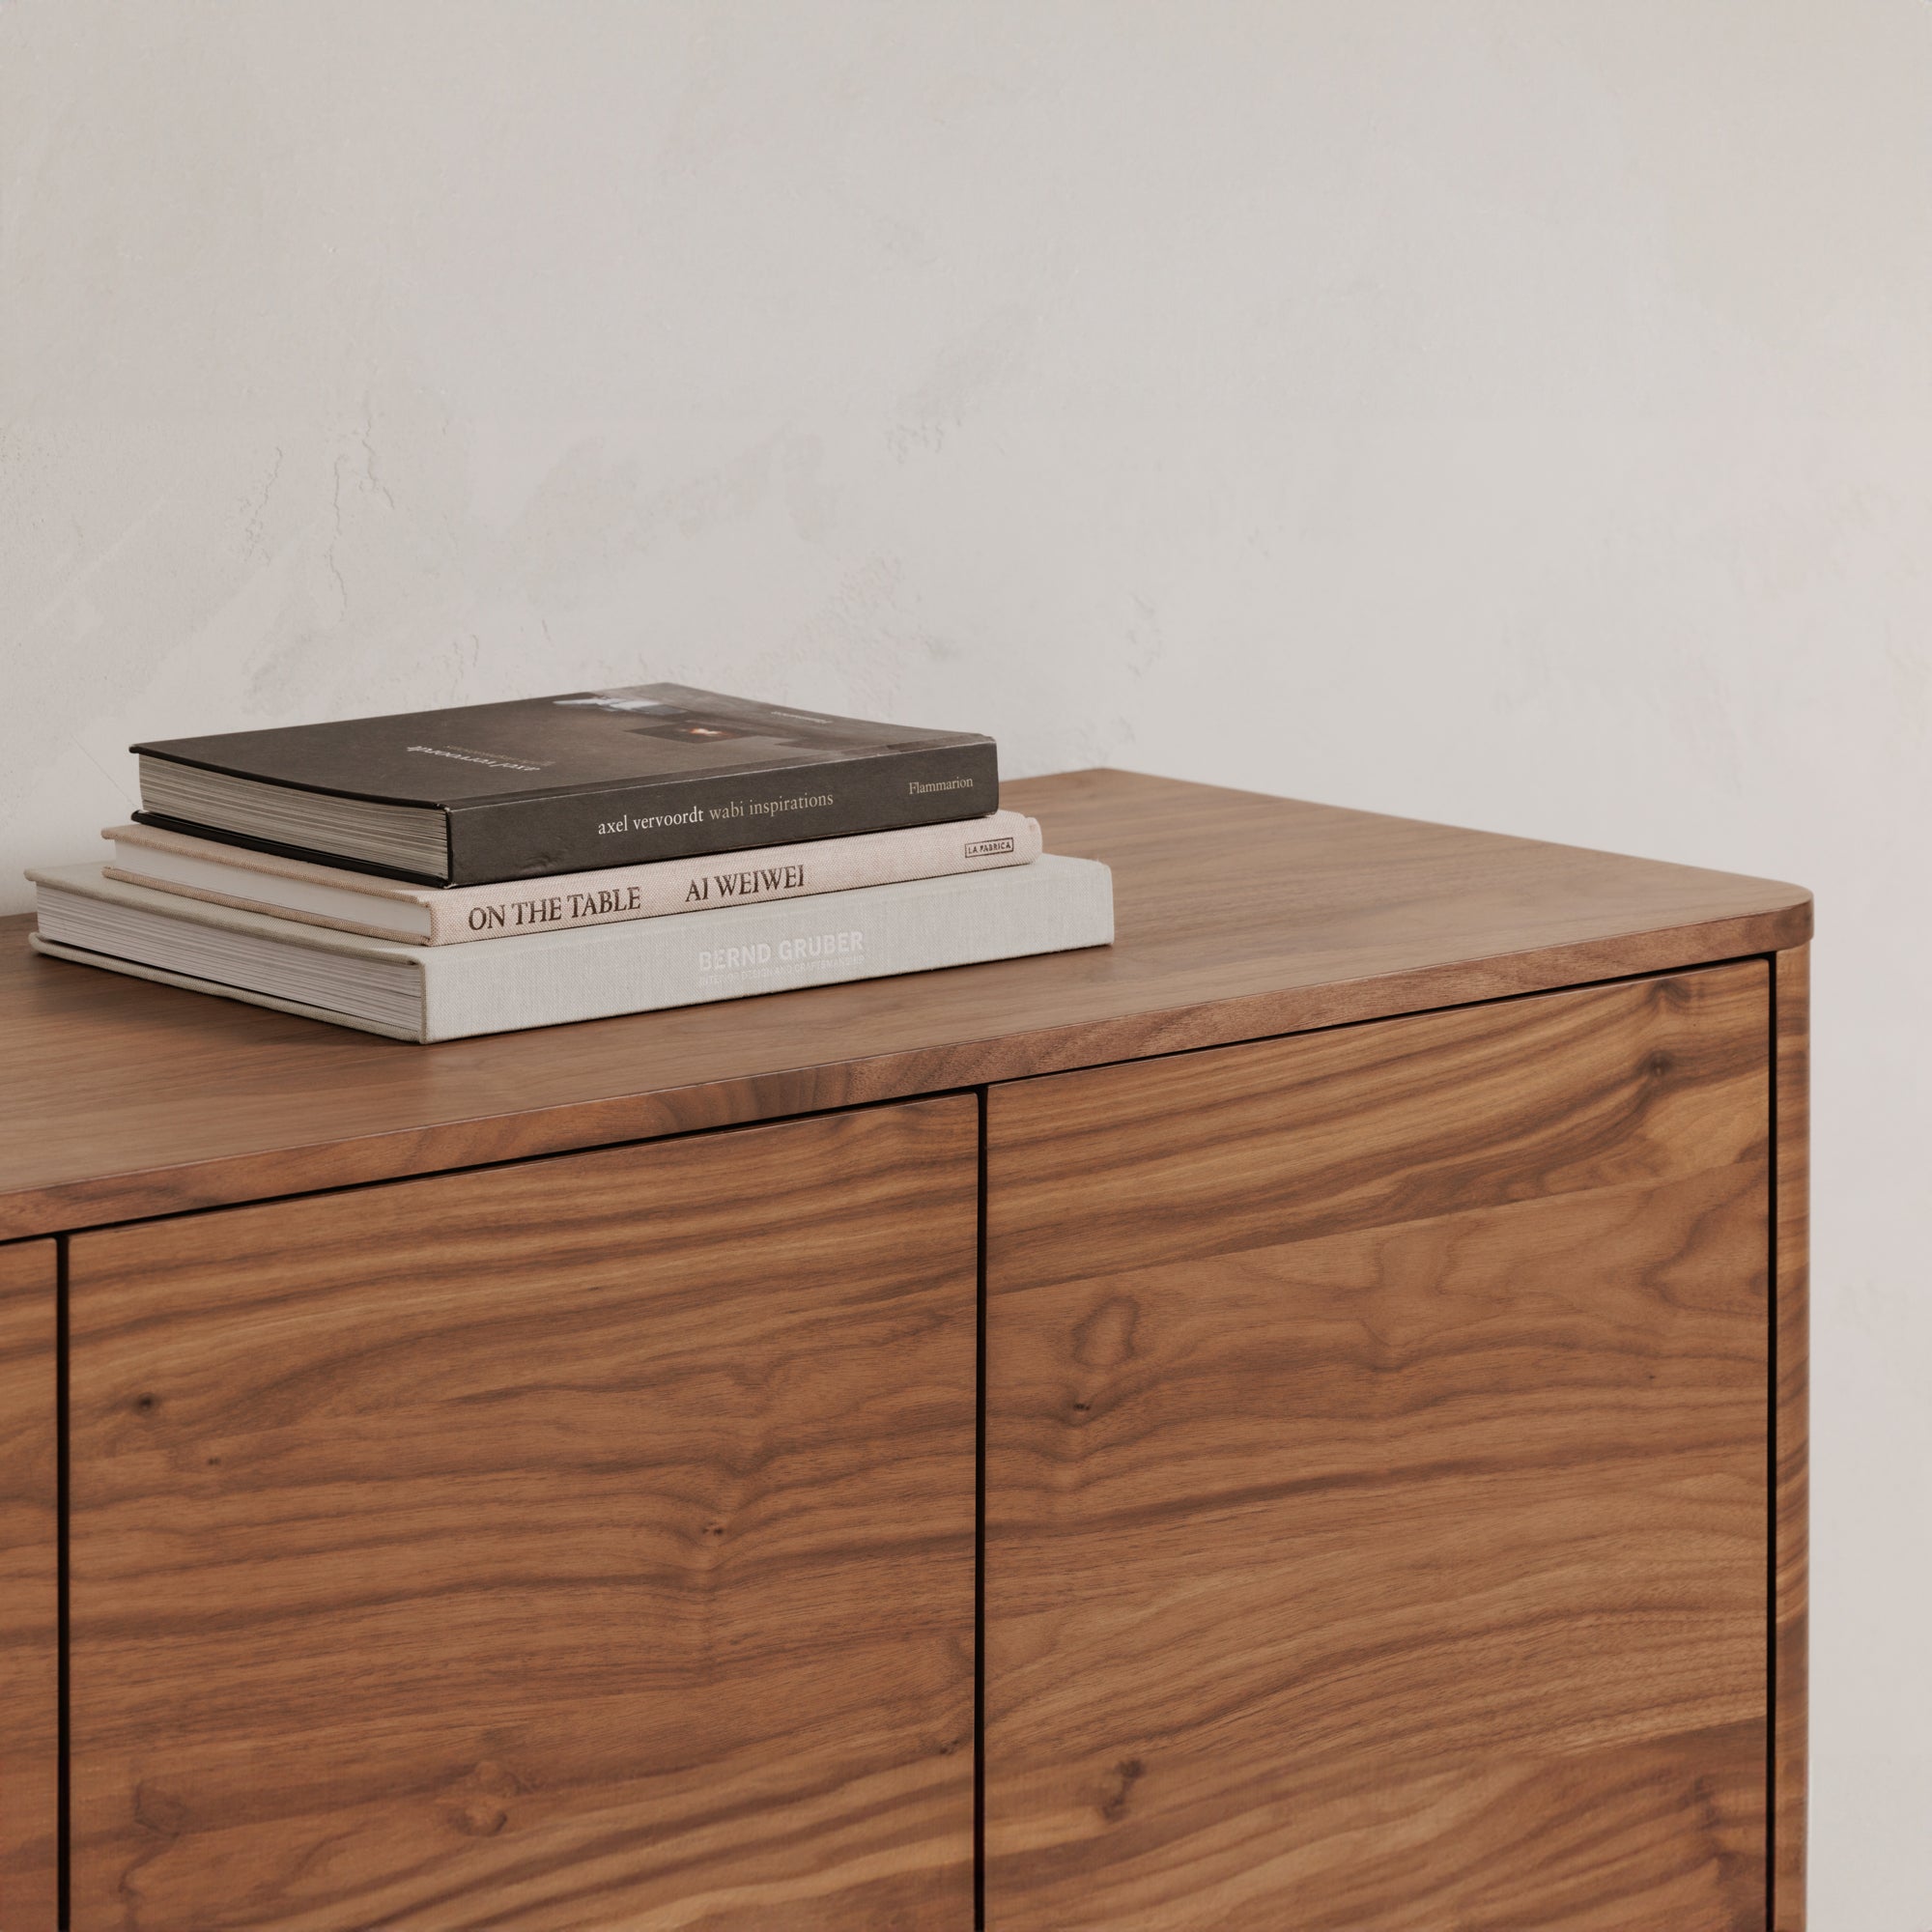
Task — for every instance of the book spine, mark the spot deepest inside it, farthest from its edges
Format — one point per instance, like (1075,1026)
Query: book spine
(593,971)
(648,821)
(677,886)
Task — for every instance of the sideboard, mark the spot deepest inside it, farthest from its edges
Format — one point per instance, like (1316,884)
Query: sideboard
(1292,1423)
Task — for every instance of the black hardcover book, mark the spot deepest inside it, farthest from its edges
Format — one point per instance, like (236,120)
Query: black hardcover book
(483,792)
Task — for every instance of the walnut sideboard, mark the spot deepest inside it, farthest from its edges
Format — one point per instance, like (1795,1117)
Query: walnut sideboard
(1294,1423)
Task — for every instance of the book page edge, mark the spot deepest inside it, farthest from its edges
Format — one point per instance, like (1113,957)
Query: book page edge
(54,948)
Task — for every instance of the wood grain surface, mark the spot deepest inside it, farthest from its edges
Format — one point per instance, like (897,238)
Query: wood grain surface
(1792,973)
(1238,917)
(29,1589)
(1377,1513)
(587,1542)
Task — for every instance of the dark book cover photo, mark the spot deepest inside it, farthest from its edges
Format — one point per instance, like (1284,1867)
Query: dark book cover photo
(583,780)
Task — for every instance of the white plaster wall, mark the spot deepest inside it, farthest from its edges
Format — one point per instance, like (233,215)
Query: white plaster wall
(1514,411)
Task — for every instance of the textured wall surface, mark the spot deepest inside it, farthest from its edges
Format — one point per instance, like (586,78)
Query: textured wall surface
(1514,412)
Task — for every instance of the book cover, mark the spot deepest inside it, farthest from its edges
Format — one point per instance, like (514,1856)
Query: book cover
(353,901)
(589,780)
(434,993)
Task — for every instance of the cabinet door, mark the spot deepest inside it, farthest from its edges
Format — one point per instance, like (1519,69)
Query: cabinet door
(29,1589)
(581,1543)
(1376,1476)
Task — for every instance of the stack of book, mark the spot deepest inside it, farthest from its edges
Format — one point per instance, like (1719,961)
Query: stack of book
(439,874)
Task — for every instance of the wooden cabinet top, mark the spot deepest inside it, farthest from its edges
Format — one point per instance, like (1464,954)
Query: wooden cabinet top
(1237,917)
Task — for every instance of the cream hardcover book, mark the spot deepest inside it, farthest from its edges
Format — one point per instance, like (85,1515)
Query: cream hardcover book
(429,993)
(362,902)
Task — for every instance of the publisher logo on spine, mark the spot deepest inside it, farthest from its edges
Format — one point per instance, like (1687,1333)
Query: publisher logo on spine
(939,784)
(984,848)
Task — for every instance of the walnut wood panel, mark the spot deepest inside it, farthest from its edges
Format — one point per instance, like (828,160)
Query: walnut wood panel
(588,1543)
(29,1589)
(1503,1102)
(1793,981)
(1238,917)
(1377,1477)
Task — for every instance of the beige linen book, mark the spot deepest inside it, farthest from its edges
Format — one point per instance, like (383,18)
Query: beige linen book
(380,908)
(587,972)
